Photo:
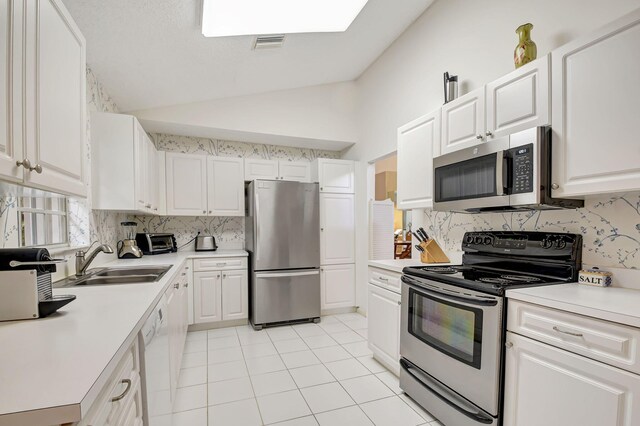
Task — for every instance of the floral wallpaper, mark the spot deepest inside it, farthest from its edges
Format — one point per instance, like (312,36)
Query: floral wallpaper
(609,225)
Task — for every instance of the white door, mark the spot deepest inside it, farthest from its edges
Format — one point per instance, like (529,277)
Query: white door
(383,316)
(11,90)
(186,184)
(595,146)
(519,100)
(553,387)
(55,102)
(337,229)
(338,286)
(418,142)
(463,122)
(207,297)
(260,169)
(225,182)
(336,176)
(235,295)
(297,171)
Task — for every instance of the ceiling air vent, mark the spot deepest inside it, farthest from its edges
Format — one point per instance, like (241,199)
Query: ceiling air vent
(269,41)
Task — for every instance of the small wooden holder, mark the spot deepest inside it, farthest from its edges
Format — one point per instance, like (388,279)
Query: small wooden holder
(432,252)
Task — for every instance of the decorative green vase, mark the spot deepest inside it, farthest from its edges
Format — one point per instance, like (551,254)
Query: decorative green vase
(526,50)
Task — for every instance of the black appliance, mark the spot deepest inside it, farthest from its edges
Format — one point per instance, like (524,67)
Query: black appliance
(151,243)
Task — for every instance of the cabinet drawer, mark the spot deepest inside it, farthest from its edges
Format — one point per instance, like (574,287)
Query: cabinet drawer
(219,264)
(384,278)
(612,343)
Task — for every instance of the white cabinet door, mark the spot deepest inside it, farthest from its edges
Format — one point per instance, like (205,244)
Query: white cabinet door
(520,100)
(225,182)
(235,295)
(55,102)
(207,297)
(595,143)
(11,90)
(383,316)
(186,184)
(260,169)
(338,286)
(173,320)
(463,122)
(140,153)
(337,229)
(335,176)
(418,142)
(297,171)
(152,185)
(584,392)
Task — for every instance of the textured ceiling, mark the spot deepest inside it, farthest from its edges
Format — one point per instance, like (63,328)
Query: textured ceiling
(150,53)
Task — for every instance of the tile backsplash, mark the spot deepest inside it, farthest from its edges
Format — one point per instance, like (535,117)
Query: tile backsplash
(609,225)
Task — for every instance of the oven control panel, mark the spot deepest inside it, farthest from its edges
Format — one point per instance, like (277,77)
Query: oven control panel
(525,243)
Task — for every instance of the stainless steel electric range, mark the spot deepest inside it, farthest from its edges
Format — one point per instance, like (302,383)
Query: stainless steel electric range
(453,319)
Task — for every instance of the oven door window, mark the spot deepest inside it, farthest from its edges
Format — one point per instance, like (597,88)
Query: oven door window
(451,328)
(475,178)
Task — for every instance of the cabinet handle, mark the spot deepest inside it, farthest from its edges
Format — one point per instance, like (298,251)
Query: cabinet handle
(383,279)
(555,186)
(155,209)
(221,264)
(186,285)
(209,211)
(479,137)
(176,286)
(399,303)
(567,332)
(321,229)
(148,206)
(321,188)
(218,276)
(126,391)
(183,274)
(27,165)
(489,133)
(508,345)
(224,275)
(204,211)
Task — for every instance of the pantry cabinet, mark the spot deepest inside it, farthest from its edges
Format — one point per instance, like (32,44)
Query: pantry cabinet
(337,229)
(334,176)
(383,313)
(418,143)
(595,143)
(520,100)
(337,286)
(224,185)
(463,122)
(125,169)
(186,184)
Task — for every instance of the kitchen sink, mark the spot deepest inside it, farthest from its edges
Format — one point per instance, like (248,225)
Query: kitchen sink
(116,275)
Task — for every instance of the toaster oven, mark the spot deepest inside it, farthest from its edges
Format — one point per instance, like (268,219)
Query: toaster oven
(151,243)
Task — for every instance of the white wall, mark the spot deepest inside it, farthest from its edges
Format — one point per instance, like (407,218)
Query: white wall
(471,39)
(320,117)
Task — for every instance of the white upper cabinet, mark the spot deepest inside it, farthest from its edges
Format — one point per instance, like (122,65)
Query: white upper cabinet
(186,184)
(595,111)
(335,176)
(55,101)
(520,100)
(418,143)
(298,171)
(260,169)
(225,185)
(337,228)
(463,122)
(10,90)
(124,165)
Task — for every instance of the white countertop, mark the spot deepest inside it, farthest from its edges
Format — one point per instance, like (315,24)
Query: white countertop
(59,364)
(397,265)
(617,304)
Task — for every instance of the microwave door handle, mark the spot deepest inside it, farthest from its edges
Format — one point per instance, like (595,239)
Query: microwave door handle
(501,158)
(445,395)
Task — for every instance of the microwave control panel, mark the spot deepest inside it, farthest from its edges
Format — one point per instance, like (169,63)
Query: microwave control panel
(522,169)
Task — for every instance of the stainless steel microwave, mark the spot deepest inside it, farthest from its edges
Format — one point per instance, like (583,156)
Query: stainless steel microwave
(508,173)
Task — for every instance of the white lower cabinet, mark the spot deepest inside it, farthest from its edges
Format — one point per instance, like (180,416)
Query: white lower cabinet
(177,309)
(220,292)
(338,286)
(120,402)
(383,316)
(553,387)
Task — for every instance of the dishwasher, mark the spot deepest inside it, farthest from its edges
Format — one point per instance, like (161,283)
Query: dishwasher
(154,356)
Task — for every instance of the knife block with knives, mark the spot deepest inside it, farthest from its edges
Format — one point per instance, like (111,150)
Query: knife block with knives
(430,250)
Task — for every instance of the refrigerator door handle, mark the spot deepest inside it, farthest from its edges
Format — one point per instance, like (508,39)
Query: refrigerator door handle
(257,222)
(286,274)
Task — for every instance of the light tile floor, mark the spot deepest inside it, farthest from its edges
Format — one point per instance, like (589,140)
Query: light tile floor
(301,375)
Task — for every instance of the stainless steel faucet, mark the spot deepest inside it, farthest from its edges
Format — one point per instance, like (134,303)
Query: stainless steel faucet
(82,264)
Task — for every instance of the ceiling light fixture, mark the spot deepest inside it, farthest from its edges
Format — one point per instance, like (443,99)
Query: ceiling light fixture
(222,18)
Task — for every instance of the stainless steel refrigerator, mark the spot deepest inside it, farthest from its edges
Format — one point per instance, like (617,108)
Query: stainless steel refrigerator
(283,239)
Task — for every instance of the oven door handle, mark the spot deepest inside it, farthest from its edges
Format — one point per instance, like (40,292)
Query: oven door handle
(447,396)
(449,296)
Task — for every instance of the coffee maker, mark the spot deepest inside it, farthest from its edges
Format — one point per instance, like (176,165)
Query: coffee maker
(128,248)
